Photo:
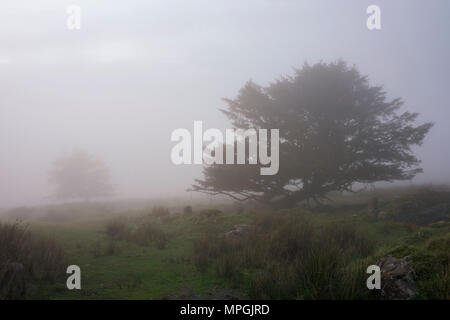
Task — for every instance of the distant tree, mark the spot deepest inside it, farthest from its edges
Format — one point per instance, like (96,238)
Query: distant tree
(335,130)
(79,175)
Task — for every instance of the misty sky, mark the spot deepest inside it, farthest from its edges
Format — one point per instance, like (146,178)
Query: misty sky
(137,70)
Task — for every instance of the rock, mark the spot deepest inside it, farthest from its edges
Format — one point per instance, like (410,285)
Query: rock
(397,282)
(239,230)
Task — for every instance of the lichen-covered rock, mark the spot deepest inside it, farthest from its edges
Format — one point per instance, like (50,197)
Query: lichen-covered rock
(397,281)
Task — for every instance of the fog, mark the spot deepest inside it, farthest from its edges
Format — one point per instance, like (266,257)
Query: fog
(137,70)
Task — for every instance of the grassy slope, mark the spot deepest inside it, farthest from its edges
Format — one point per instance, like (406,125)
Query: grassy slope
(131,271)
(123,270)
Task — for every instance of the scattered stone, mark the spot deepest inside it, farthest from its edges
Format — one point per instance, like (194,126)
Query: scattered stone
(240,230)
(397,282)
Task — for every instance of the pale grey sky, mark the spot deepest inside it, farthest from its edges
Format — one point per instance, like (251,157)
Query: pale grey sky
(137,70)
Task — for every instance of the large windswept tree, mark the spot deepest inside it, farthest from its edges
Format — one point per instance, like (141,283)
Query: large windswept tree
(80,175)
(335,130)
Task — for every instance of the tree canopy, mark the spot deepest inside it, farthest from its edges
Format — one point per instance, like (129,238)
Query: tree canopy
(335,130)
(80,175)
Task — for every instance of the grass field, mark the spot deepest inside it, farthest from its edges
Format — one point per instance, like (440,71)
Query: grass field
(139,254)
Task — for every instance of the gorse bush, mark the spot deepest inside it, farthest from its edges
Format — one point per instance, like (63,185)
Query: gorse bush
(25,260)
(291,258)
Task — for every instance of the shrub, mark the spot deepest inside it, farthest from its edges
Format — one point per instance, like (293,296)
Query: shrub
(20,213)
(111,248)
(422,207)
(150,232)
(438,286)
(203,251)
(348,239)
(143,233)
(210,213)
(187,210)
(169,219)
(290,257)
(227,267)
(26,259)
(117,229)
(160,212)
